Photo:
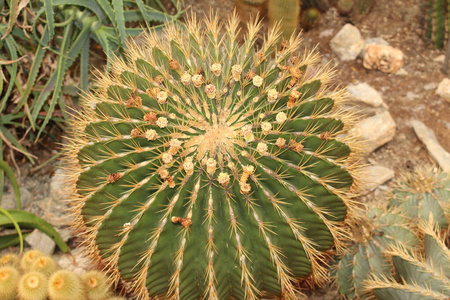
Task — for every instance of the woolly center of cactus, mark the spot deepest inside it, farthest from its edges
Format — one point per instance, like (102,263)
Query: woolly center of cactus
(58,283)
(218,139)
(41,263)
(93,282)
(33,282)
(4,275)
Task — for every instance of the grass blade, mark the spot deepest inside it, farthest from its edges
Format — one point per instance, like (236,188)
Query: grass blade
(13,12)
(60,71)
(2,173)
(107,8)
(91,5)
(12,221)
(12,52)
(48,5)
(10,240)
(29,220)
(10,140)
(12,178)
(73,53)
(120,19)
(84,66)
(102,39)
(33,73)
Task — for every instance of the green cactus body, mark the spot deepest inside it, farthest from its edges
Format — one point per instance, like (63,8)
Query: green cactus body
(422,196)
(286,12)
(310,18)
(418,195)
(205,169)
(345,7)
(436,27)
(424,276)
(368,257)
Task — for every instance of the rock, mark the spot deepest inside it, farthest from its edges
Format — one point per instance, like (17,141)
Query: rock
(58,185)
(56,209)
(374,176)
(347,43)
(430,86)
(364,93)
(401,72)
(411,96)
(65,233)
(40,241)
(443,89)
(440,58)
(9,200)
(326,33)
(372,41)
(375,131)
(436,151)
(384,58)
(75,261)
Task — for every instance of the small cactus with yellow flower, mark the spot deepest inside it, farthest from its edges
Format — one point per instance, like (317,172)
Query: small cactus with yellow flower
(202,168)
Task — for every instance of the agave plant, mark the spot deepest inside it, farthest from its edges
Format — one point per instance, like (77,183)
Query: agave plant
(204,168)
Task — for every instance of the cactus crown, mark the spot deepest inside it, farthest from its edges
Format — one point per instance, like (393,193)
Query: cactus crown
(205,168)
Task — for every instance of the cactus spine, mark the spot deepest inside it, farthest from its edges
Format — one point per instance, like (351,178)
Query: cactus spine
(422,275)
(387,244)
(205,169)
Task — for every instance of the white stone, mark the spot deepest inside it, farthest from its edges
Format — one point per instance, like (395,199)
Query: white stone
(347,43)
(426,135)
(430,86)
(375,131)
(384,58)
(401,72)
(362,92)
(443,89)
(374,176)
(440,58)
(40,241)
(75,261)
(372,41)
(58,185)
(326,33)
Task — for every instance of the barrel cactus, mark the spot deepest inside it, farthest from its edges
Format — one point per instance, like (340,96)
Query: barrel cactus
(201,168)
(423,274)
(391,233)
